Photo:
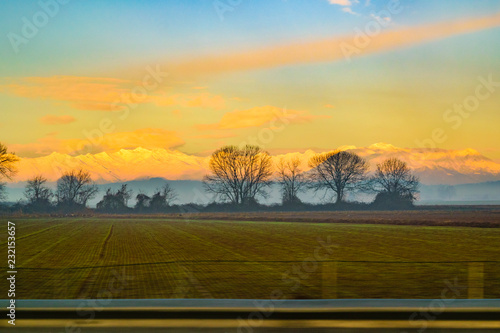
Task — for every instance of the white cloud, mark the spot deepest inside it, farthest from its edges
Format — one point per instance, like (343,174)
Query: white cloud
(340,2)
(346,4)
(349,10)
(382,20)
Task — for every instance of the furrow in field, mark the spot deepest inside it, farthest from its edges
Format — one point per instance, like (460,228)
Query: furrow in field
(96,251)
(24,225)
(129,245)
(105,242)
(34,233)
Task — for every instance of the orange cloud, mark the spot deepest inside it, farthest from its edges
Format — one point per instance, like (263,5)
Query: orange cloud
(82,92)
(102,94)
(148,138)
(215,136)
(331,49)
(57,120)
(92,106)
(200,100)
(259,116)
(42,146)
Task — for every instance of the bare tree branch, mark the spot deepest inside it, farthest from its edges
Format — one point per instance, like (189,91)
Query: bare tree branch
(75,188)
(36,192)
(239,175)
(337,171)
(291,179)
(7,163)
(394,177)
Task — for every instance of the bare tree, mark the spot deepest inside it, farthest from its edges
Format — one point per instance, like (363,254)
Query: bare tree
(291,179)
(7,167)
(338,171)
(239,175)
(36,192)
(7,162)
(75,188)
(395,178)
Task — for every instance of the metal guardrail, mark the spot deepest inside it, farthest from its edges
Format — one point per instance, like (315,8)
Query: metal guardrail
(253,315)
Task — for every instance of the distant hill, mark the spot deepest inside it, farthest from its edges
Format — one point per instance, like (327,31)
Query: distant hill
(487,192)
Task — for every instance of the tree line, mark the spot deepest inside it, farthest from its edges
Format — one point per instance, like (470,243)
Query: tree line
(241,175)
(75,188)
(238,177)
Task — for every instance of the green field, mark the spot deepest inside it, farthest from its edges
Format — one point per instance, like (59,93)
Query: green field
(159,258)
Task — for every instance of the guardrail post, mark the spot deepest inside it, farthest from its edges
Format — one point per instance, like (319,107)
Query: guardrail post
(476,280)
(329,279)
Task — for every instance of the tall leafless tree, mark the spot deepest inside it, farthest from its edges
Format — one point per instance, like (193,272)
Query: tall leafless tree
(291,179)
(394,177)
(7,162)
(239,175)
(7,167)
(37,192)
(337,171)
(75,188)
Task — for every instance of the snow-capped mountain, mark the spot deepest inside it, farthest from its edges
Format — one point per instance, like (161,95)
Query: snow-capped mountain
(122,165)
(434,166)
(437,166)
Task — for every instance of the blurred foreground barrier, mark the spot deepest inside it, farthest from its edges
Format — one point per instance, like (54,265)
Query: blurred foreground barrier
(223,315)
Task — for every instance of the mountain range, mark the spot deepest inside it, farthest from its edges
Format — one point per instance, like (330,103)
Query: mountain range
(433,166)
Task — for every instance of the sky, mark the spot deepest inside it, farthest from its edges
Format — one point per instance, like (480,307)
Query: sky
(80,77)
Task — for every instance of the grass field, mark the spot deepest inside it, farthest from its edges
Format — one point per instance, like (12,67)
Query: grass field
(167,258)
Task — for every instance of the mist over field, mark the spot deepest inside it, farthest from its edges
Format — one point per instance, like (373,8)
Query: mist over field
(192,191)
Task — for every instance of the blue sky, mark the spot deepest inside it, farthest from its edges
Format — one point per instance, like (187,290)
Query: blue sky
(99,33)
